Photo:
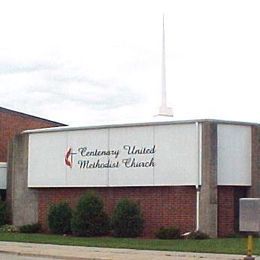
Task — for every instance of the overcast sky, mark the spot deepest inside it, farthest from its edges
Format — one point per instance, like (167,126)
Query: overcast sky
(87,62)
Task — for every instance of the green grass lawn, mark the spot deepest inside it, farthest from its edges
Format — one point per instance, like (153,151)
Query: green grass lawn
(227,245)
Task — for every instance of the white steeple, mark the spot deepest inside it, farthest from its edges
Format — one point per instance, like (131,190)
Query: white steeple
(164,110)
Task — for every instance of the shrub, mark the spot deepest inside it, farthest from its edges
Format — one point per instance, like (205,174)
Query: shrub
(237,235)
(2,213)
(8,229)
(168,233)
(59,218)
(30,228)
(127,220)
(197,235)
(89,218)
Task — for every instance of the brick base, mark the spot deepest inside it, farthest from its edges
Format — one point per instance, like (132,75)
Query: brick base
(228,209)
(161,206)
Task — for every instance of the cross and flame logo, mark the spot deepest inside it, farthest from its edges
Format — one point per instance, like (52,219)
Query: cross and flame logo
(69,157)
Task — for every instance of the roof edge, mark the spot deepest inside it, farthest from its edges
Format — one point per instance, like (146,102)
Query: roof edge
(6,110)
(118,125)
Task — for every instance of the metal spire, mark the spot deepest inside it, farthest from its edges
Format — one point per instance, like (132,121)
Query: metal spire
(164,110)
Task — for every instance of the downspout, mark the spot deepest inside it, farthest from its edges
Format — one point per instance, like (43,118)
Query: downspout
(198,184)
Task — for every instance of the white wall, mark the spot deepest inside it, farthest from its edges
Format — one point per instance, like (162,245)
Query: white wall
(171,157)
(234,155)
(174,160)
(3,173)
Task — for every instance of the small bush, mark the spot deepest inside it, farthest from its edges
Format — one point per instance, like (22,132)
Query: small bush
(127,220)
(59,218)
(168,233)
(2,213)
(89,218)
(237,235)
(8,229)
(30,228)
(197,235)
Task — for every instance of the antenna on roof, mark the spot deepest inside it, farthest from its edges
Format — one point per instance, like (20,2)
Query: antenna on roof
(164,110)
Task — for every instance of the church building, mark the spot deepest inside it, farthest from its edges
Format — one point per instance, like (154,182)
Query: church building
(186,174)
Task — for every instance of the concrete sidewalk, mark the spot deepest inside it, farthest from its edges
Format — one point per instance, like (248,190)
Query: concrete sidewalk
(94,253)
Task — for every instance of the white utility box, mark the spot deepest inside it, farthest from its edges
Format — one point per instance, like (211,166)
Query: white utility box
(249,214)
(3,166)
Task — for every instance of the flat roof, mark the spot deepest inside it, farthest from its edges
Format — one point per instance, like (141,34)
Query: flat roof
(118,125)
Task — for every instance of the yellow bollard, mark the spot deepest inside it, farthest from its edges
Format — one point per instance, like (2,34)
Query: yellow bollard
(249,248)
(250,245)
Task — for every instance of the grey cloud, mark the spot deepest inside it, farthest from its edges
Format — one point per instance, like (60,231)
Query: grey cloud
(75,78)
(76,87)
(121,96)
(12,68)
(72,77)
(61,88)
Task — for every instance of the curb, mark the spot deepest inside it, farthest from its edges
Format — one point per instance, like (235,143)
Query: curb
(18,253)
(96,253)
(43,255)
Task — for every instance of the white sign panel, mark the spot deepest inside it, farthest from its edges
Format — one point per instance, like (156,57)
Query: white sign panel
(234,155)
(3,173)
(120,156)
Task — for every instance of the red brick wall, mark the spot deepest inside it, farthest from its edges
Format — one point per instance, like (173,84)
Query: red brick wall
(161,206)
(228,209)
(12,123)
